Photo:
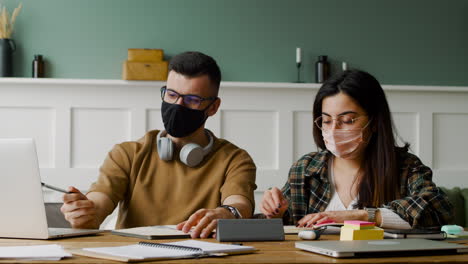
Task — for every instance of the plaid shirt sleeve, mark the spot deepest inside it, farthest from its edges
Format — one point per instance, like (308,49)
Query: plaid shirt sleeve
(287,217)
(305,190)
(423,204)
(292,190)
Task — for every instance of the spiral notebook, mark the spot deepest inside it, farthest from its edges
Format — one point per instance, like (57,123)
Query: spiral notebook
(152,232)
(146,251)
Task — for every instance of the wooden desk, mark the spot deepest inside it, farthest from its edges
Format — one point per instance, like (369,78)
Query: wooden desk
(269,252)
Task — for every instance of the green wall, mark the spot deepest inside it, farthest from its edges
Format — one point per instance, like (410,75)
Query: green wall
(420,42)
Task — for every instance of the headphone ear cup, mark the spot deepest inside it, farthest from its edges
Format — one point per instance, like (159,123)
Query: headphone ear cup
(191,154)
(165,148)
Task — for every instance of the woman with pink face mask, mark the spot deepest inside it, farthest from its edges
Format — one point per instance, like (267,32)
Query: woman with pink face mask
(359,173)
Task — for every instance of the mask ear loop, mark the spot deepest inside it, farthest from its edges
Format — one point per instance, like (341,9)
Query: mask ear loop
(372,132)
(370,120)
(208,106)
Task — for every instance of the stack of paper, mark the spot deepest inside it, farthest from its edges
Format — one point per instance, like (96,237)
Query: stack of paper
(39,252)
(359,225)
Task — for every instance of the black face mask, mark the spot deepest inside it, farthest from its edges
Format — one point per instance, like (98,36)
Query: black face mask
(181,121)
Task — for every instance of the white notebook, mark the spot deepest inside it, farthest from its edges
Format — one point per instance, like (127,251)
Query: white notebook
(39,252)
(152,232)
(145,251)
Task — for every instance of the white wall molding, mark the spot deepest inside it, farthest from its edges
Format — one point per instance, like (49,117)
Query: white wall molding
(249,85)
(76,122)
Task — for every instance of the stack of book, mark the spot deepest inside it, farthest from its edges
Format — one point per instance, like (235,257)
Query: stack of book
(360,230)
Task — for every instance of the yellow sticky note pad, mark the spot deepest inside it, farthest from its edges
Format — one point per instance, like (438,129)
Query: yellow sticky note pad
(356,227)
(348,234)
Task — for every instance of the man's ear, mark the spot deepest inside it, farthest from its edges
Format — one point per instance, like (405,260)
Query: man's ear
(213,109)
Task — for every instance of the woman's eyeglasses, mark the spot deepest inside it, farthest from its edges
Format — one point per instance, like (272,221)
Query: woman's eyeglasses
(326,122)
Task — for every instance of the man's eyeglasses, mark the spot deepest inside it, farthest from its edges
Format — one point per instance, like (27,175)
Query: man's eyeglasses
(189,100)
(326,122)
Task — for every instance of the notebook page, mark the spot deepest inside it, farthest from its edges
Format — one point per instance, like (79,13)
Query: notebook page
(141,252)
(210,247)
(34,252)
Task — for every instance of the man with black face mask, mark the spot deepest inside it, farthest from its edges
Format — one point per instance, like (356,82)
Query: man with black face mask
(182,175)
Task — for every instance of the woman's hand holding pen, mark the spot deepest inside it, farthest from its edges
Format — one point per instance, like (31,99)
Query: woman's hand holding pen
(273,204)
(78,209)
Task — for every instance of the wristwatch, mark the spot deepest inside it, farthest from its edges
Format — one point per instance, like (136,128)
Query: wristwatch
(371,214)
(233,210)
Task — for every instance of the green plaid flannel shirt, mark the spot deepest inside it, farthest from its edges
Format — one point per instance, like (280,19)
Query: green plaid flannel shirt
(423,205)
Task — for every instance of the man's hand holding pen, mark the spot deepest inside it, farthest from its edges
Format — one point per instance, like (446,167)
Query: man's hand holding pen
(78,209)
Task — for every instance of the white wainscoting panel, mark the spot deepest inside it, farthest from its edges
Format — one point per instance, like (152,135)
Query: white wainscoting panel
(450,126)
(26,122)
(303,138)
(407,126)
(265,134)
(154,119)
(76,122)
(94,129)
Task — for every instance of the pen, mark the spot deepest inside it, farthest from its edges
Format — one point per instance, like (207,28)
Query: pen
(54,188)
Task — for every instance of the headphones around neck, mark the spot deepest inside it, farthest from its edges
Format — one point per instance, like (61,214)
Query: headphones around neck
(191,154)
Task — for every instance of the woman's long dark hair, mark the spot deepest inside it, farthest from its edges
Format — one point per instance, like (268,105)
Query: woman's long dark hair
(379,182)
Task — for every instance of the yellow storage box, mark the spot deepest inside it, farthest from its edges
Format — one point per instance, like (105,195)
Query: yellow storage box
(146,71)
(145,55)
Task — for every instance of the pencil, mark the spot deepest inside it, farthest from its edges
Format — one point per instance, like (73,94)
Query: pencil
(54,188)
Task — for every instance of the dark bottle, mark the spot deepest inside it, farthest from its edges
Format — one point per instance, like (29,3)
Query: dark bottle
(38,67)
(322,69)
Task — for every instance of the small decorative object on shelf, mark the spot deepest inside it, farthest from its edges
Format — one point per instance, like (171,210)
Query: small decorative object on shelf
(344,66)
(322,69)
(7,45)
(298,64)
(38,67)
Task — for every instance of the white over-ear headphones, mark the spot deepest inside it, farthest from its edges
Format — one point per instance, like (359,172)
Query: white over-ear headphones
(191,154)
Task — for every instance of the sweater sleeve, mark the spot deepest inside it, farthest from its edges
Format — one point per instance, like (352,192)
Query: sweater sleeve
(423,204)
(114,174)
(392,220)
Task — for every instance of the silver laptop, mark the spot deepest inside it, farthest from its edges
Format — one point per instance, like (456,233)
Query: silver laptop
(381,248)
(21,199)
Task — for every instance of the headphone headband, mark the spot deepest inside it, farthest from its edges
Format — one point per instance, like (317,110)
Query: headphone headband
(191,154)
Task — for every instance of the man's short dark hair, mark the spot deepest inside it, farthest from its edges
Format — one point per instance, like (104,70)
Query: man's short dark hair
(194,64)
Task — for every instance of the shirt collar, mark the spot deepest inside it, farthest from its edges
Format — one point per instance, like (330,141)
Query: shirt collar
(319,165)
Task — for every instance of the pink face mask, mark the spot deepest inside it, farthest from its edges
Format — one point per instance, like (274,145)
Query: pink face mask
(343,142)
